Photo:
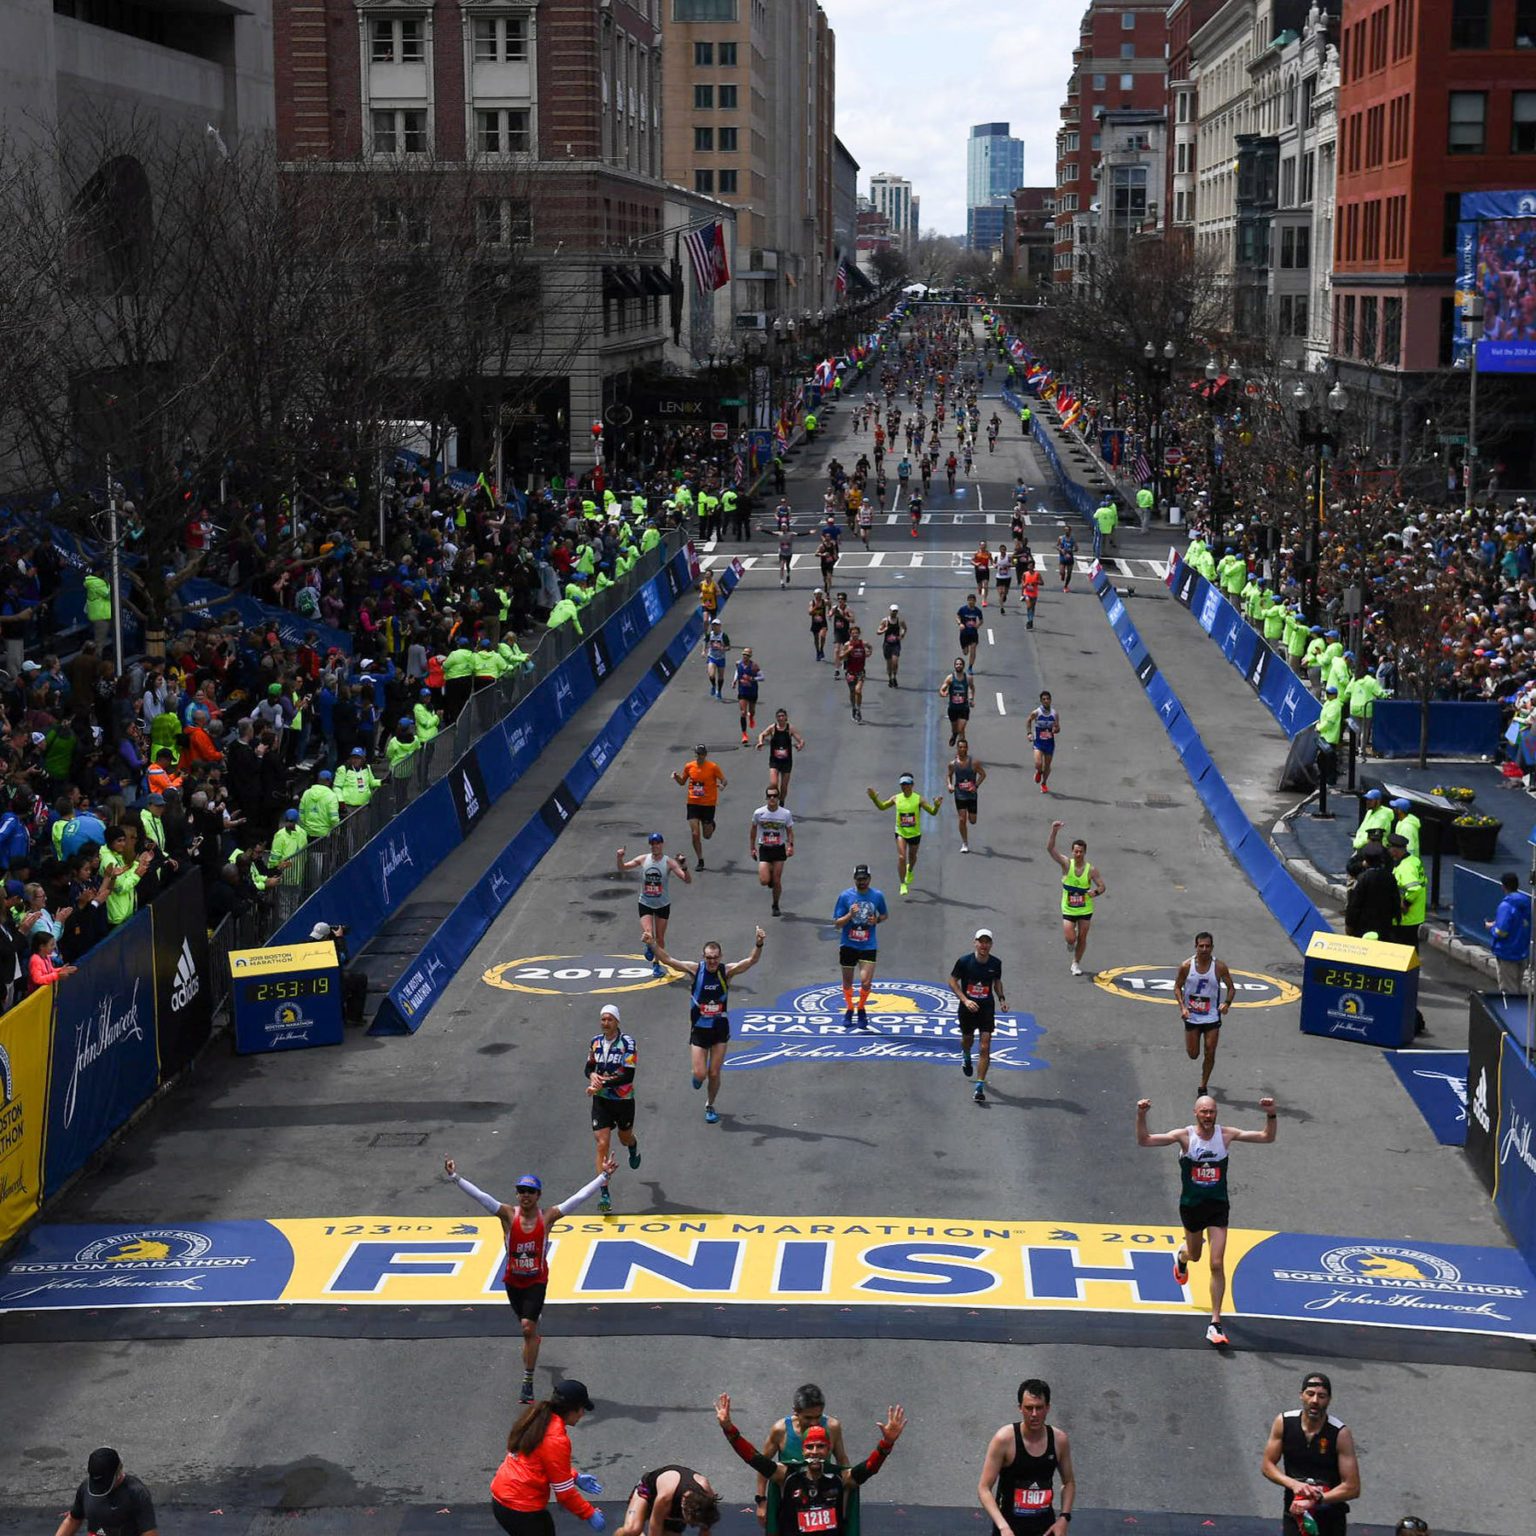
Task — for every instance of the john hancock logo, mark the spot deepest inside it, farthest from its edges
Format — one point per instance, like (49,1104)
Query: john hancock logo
(147,1258)
(1349,1015)
(289,1026)
(95,1037)
(1365,1275)
(395,856)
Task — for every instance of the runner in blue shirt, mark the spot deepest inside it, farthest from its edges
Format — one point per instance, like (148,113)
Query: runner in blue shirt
(968,616)
(748,675)
(1066,553)
(858,913)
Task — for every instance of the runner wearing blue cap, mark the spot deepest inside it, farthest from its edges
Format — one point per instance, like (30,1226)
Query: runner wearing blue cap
(656,870)
(526,1233)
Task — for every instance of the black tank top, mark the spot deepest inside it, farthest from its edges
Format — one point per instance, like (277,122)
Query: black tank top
(1025,1485)
(964,776)
(781,746)
(811,1506)
(1314,1462)
(959,691)
(687,1481)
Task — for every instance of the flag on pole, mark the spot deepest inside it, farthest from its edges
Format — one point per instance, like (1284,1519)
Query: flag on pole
(706,250)
(1095,571)
(842,276)
(1140,466)
(1173,565)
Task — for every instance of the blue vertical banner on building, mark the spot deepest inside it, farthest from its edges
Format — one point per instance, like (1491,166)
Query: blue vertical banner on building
(104,1057)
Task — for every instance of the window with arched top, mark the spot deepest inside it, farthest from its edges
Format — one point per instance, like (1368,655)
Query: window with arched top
(112,227)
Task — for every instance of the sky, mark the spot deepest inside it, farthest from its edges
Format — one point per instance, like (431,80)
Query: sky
(912,78)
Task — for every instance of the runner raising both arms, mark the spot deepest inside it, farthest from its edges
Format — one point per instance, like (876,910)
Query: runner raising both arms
(1204,1201)
(710,1023)
(909,824)
(526,1233)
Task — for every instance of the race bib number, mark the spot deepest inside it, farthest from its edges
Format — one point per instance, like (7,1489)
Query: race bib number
(1031,1501)
(695,789)
(1077,898)
(525,1263)
(1200,1005)
(978,989)
(770,837)
(857,933)
(817,1519)
(780,753)
(711,1010)
(906,819)
(653,885)
(1206,1173)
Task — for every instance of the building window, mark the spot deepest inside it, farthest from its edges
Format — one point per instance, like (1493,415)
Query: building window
(1287,314)
(1368,330)
(398,42)
(703,181)
(1469,23)
(1127,82)
(401,222)
(501,40)
(727,55)
(1127,21)
(727,98)
(1127,50)
(703,140)
(1522,127)
(1525,23)
(1300,318)
(1469,109)
(703,55)
(1308,173)
(399,131)
(1347,340)
(728,182)
(1287,181)
(502,131)
(703,10)
(1098,82)
(703,98)
(728,140)
(503,220)
(1391,330)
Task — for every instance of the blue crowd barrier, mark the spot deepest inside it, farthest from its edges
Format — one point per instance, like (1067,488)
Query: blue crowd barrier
(1456,728)
(105,1061)
(1514,1190)
(407,1003)
(1291,907)
(1475,898)
(367,890)
(1268,672)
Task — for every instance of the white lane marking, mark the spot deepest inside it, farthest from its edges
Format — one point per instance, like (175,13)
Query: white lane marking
(1002,708)
(748,561)
(915,560)
(877,558)
(860,592)
(713,540)
(990,640)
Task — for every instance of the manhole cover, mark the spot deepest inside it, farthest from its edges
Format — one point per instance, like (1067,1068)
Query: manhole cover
(1157,799)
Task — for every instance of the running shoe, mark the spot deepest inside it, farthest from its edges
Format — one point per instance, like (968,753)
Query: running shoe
(863,1019)
(656,971)
(605,1201)
(711,1115)
(700,864)
(1045,788)
(848,1018)
(980,1094)
(698,1082)
(1030,625)
(905,887)
(965,1064)
(775,909)
(526,1395)
(1037,775)
(1077,970)
(965,847)
(1203,1091)
(1214,1335)
(650,954)
(743,738)
(634,1155)
(1181,1267)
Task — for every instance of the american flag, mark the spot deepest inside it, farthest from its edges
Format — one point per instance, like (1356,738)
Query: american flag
(706,250)
(1140,467)
(739,471)
(842,276)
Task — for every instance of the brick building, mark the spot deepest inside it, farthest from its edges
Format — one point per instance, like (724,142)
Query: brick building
(557,106)
(1119,62)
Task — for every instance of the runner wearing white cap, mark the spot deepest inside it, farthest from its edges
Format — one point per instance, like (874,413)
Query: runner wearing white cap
(976,980)
(526,1233)
(610,1069)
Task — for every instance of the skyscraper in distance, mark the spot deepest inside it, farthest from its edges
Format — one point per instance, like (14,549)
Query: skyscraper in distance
(994,167)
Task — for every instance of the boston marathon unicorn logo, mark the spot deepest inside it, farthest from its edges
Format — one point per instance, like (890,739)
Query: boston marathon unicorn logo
(908,1021)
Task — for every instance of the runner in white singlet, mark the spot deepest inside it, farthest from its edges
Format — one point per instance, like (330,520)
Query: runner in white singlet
(1198,987)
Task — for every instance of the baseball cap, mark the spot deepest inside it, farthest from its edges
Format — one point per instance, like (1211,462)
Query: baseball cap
(274,688)
(30,666)
(894,607)
(359,752)
(1331,688)
(655,837)
(612,1008)
(906,778)
(38,738)
(102,1470)
(15,888)
(1373,794)
(324,776)
(156,799)
(405,724)
(290,815)
(700,747)
(816,1435)
(573,1394)
(319,932)
(983,933)
(1401,805)
(530,1181)
(861,871)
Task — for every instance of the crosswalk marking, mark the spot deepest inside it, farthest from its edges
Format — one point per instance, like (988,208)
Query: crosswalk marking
(1121,569)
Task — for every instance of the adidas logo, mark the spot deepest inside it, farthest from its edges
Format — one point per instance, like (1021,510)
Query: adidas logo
(1480,1102)
(471,800)
(187,983)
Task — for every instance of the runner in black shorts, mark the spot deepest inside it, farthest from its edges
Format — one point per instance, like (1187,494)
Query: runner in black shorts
(891,629)
(782,740)
(1004,578)
(958,690)
(611,1061)
(857,917)
(842,622)
(818,612)
(675,1496)
(976,980)
(966,777)
(710,979)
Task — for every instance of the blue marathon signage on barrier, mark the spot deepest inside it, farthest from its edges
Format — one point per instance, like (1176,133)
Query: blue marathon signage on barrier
(408,1002)
(908,1021)
(105,1062)
(1514,1189)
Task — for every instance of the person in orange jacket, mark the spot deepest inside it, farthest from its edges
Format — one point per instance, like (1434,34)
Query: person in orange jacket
(538,1463)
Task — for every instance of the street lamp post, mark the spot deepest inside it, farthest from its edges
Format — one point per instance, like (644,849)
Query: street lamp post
(1217,445)
(1323,440)
(1159,369)
(1472,328)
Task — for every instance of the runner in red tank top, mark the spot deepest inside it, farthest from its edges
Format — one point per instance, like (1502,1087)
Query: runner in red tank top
(526,1232)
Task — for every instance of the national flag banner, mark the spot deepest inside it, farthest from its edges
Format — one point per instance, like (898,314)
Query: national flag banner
(1140,467)
(842,277)
(1173,566)
(1095,571)
(706,251)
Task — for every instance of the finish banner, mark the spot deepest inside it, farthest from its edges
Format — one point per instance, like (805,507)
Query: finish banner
(840,1261)
(25,1037)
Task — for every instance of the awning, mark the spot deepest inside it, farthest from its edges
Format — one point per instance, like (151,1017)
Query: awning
(655,280)
(622,283)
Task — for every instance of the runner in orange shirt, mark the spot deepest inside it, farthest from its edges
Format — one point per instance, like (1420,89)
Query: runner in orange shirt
(1029,585)
(703,781)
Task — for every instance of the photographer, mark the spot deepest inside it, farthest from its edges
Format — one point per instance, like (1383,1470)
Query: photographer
(354,985)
